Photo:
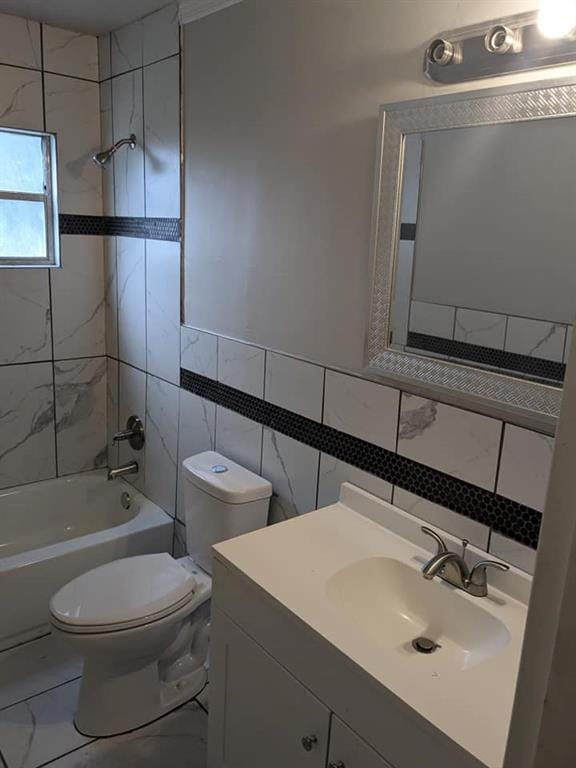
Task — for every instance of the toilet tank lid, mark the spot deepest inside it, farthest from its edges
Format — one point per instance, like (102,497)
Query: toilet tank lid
(224,479)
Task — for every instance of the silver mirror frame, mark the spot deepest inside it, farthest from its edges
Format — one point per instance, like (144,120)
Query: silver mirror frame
(497,394)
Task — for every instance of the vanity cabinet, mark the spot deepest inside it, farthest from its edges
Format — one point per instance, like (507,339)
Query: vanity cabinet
(261,716)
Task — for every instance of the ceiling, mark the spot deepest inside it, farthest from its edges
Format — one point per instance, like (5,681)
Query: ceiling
(93,16)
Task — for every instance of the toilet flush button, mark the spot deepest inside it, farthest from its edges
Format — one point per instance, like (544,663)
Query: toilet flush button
(219,469)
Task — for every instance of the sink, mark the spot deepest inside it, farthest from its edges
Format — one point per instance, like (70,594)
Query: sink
(390,604)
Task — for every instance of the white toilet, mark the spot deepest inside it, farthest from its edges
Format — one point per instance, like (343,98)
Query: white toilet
(142,622)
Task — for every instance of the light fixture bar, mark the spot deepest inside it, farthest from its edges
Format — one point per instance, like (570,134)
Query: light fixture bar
(501,47)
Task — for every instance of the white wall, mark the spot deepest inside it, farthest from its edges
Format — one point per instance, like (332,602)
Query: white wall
(281,105)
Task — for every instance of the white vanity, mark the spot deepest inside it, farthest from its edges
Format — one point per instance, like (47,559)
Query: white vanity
(312,656)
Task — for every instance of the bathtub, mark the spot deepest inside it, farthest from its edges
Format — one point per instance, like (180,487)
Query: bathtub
(55,530)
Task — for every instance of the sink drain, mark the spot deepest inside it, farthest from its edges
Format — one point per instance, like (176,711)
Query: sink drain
(424,645)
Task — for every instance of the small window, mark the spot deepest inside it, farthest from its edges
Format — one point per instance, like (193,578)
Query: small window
(29,235)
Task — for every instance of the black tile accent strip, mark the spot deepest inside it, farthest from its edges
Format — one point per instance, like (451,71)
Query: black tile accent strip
(408,232)
(507,517)
(121,226)
(548,371)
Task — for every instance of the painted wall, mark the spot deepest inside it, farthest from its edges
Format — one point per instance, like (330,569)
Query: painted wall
(52,340)
(281,121)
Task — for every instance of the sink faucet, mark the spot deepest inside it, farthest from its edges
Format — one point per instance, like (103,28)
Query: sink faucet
(452,567)
(126,469)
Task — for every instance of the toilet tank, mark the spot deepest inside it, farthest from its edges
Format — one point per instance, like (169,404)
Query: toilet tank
(221,500)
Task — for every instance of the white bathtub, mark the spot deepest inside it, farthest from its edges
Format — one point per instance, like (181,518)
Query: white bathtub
(55,530)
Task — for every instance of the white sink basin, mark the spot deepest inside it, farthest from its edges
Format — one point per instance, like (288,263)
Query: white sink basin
(392,604)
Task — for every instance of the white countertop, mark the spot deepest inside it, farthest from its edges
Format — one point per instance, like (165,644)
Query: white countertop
(293,562)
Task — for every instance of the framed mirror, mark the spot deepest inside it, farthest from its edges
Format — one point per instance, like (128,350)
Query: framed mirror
(474,283)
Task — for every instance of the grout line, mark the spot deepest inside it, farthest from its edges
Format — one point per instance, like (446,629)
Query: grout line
(24,642)
(320,453)
(70,751)
(41,693)
(499,458)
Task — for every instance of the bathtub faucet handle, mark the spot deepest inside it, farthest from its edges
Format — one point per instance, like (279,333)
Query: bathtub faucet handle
(134,433)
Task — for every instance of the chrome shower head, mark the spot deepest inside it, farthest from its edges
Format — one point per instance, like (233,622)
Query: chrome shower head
(103,158)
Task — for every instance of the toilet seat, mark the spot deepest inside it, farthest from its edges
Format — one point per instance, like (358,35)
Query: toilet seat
(124,594)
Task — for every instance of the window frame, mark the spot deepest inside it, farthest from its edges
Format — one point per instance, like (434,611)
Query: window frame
(50,200)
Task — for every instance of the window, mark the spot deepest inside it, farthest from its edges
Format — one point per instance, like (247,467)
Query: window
(29,234)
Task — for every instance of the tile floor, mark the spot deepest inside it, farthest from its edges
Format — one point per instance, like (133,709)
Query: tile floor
(39,683)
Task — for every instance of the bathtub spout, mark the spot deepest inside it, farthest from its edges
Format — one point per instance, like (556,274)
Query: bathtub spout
(125,469)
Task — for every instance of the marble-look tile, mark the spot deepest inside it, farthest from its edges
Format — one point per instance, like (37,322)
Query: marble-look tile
(111,295)
(112,410)
(35,667)
(70,53)
(525,466)
(27,448)
(536,338)
(239,439)
(25,295)
(20,42)
(179,548)
(126,48)
(178,740)
(81,414)
(432,319)
(163,309)
(241,366)
(362,408)
(334,472)
(131,276)
(21,104)
(486,329)
(568,345)
(41,729)
(161,34)
(72,112)
(104,57)
(162,138)
(107,139)
(458,442)
(196,433)
(295,385)
(199,352)
(78,299)
(161,443)
(441,517)
(132,402)
(512,552)
(292,468)
(128,113)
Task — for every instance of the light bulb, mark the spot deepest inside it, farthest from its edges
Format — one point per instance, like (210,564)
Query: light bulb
(557,18)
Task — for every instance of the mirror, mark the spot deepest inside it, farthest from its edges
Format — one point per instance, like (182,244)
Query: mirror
(485,272)
(475,275)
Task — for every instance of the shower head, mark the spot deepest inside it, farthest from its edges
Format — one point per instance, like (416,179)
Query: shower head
(103,158)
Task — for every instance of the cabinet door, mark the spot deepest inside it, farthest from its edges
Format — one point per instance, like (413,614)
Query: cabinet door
(260,715)
(348,750)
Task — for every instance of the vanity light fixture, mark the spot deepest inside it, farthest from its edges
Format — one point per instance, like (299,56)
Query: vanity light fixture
(557,18)
(518,43)
(103,158)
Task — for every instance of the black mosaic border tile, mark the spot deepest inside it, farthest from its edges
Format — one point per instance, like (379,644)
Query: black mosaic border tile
(548,371)
(121,226)
(507,517)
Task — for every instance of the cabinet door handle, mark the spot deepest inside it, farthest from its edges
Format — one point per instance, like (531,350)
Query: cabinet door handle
(338,764)
(309,742)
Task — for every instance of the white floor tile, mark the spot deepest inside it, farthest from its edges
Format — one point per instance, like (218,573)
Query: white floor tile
(177,740)
(35,667)
(40,729)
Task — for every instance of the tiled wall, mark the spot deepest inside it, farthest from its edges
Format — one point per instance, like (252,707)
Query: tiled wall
(52,342)
(140,94)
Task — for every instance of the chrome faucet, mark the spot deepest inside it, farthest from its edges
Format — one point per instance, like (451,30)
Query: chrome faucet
(452,567)
(126,469)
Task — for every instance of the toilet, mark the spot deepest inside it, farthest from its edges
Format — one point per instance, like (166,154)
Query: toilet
(142,623)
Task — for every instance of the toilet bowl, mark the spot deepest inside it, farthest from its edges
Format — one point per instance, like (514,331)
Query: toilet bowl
(142,623)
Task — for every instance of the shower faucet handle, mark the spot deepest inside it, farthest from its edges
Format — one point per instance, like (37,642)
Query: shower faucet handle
(134,433)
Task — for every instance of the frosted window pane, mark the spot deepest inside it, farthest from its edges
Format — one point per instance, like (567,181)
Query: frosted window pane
(22,230)
(21,163)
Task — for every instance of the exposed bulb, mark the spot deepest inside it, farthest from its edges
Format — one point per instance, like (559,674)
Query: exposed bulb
(557,18)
